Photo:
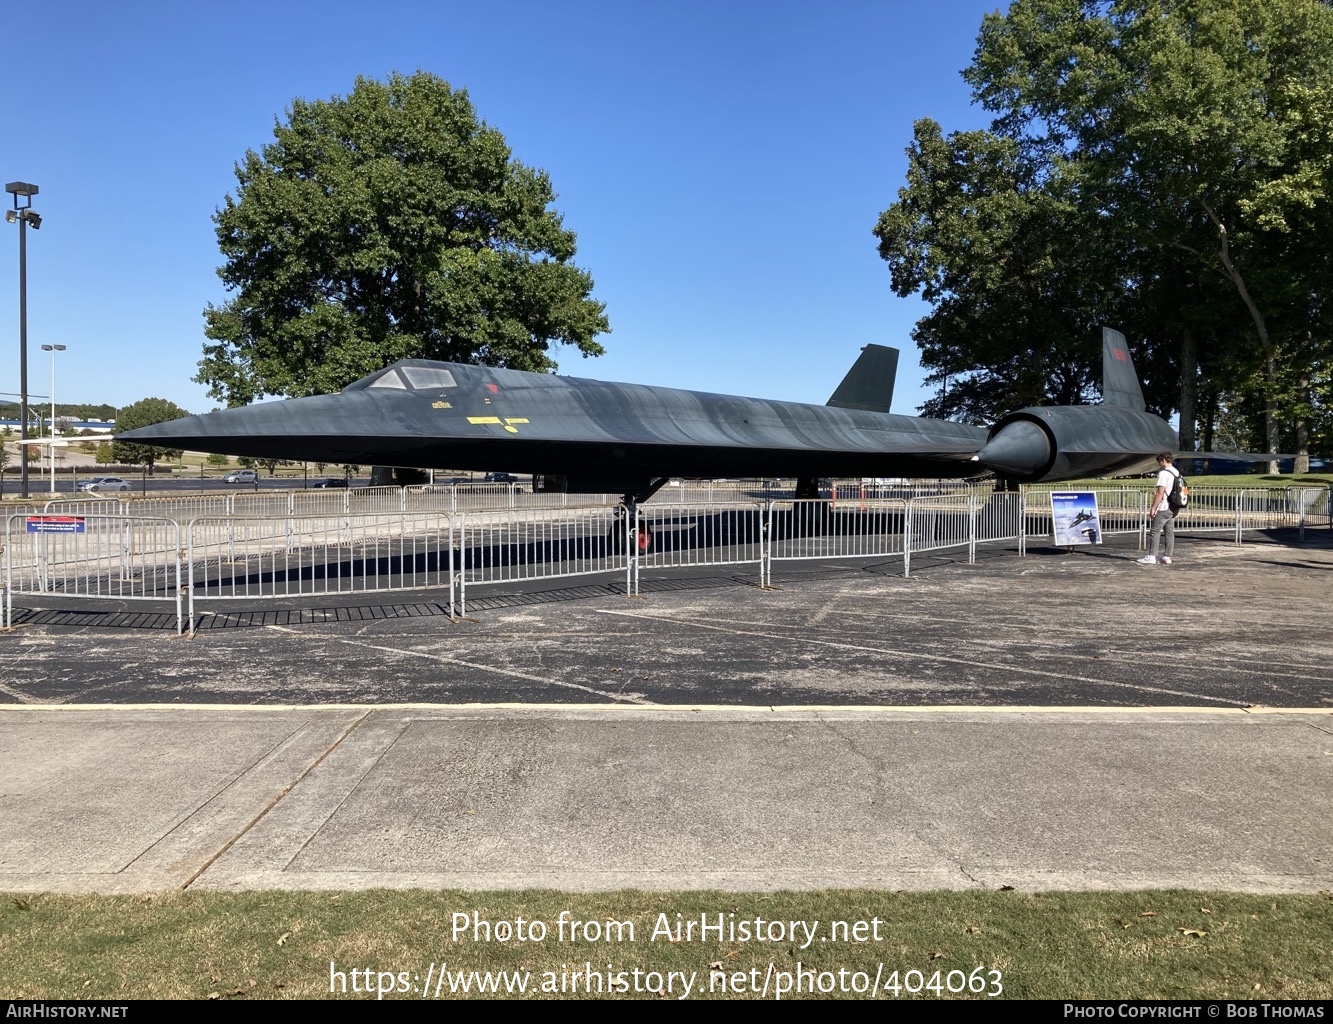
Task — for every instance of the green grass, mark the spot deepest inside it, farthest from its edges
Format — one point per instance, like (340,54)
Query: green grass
(1149,945)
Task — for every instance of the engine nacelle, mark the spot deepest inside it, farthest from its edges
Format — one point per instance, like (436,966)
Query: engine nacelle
(1067,442)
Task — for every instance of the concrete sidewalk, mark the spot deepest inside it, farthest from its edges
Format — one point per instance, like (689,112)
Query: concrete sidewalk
(123,799)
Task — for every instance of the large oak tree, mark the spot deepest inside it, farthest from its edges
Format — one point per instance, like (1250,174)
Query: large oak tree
(386,224)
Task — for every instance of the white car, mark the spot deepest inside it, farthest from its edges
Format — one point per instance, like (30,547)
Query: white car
(100,484)
(241,476)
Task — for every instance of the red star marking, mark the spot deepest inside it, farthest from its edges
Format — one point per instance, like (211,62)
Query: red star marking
(493,388)
(1119,354)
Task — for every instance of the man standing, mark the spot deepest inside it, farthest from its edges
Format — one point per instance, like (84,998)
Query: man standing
(1160,513)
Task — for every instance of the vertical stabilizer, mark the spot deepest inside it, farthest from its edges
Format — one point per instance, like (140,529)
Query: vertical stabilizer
(1120,384)
(869,383)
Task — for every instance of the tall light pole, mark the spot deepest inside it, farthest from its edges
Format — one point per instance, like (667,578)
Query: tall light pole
(24,215)
(53,349)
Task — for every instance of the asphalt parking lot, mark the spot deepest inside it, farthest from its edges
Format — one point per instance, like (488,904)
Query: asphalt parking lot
(1226,626)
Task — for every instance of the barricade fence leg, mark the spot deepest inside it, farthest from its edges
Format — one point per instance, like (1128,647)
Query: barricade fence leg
(972,529)
(462,566)
(632,546)
(180,625)
(451,570)
(909,514)
(766,532)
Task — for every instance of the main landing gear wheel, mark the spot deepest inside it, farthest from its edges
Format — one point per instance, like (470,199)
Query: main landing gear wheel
(643,540)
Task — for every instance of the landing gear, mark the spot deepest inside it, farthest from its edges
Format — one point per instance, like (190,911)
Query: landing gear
(807,488)
(643,536)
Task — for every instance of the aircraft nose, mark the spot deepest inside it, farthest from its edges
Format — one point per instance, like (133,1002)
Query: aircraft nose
(1020,451)
(296,418)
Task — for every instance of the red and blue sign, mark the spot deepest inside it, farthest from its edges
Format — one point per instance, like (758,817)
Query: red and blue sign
(56,524)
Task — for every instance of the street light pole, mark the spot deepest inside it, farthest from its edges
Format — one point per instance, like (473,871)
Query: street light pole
(24,215)
(53,349)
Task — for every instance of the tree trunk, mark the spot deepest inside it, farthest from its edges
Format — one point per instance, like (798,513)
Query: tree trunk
(1209,418)
(1189,390)
(1302,429)
(1265,342)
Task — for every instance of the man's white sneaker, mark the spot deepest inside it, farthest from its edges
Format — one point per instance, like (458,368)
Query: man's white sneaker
(1166,560)
(1147,560)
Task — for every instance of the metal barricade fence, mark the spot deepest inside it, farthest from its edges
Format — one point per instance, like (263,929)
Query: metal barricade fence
(676,535)
(181,509)
(854,492)
(1310,506)
(998,517)
(259,504)
(468,497)
(292,556)
(173,509)
(371,499)
(809,529)
(22,509)
(335,549)
(505,545)
(1262,508)
(127,558)
(938,522)
(1210,510)
(428,498)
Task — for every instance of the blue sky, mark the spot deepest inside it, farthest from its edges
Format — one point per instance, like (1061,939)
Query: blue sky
(722,164)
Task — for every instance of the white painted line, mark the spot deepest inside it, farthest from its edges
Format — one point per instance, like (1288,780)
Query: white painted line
(629,698)
(1063,676)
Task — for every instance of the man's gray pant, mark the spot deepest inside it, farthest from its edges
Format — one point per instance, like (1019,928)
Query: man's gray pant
(1164,520)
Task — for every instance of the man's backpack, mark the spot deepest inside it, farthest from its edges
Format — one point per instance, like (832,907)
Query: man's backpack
(1180,493)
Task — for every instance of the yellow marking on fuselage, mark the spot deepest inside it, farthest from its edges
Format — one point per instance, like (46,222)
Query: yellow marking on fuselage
(516,419)
(483,419)
(441,405)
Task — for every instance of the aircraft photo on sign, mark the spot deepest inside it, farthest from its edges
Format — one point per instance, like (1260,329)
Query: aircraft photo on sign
(1074,518)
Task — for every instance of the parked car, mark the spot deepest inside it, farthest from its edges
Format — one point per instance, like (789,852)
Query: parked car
(99,484)
(329,481)
(500,478)
(241,476)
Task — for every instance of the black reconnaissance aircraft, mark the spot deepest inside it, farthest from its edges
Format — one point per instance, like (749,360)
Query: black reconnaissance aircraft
(630,439)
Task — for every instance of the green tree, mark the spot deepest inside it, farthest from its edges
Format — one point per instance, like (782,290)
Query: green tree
(982,231)
(104,456)
(144,413)
(1189,146)
(385,224)
(217,459)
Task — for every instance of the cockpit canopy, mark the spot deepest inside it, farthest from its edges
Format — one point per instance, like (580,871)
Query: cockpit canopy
(407,376)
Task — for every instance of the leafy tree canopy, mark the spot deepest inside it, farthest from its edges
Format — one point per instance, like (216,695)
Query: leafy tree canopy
(387,224)
(1164,167)
(144,413)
